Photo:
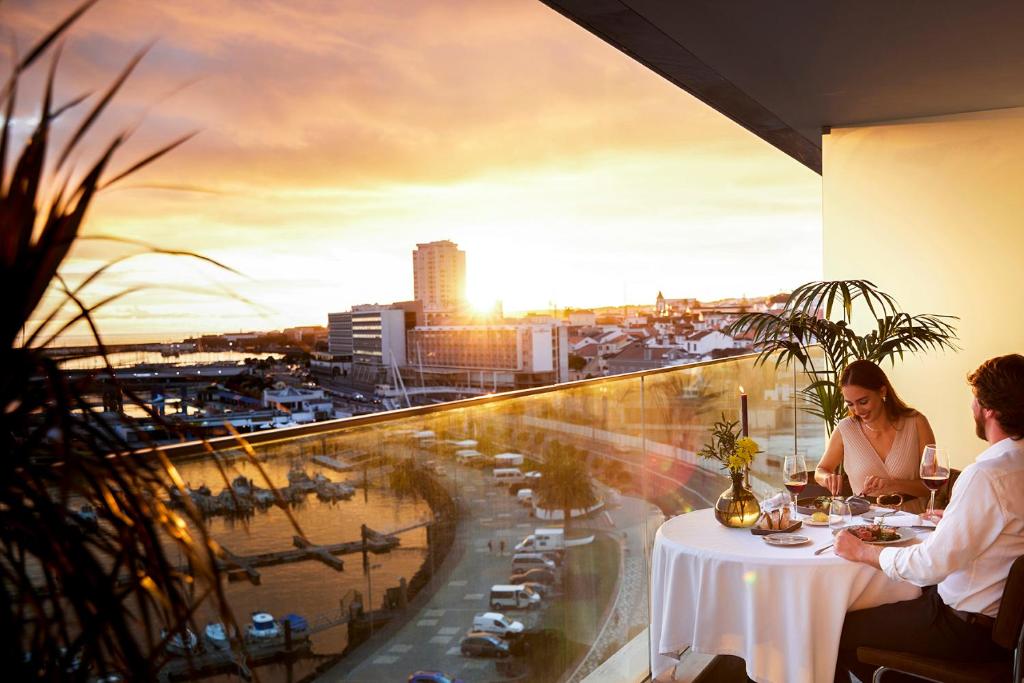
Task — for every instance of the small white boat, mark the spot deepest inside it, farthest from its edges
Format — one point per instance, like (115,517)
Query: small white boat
(217,636)
(263,626)
(182,643)
(263,496)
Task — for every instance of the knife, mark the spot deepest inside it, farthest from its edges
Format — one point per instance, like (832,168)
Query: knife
(823,548)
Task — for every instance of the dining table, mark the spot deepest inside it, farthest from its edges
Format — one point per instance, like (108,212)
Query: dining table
(724,591)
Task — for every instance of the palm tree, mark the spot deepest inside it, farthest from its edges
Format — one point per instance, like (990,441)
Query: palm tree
(820,313)
(565,482)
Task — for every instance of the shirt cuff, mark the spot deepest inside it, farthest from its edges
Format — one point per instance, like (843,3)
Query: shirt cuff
(887,560)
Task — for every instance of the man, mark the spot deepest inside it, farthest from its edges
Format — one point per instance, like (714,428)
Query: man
(963,564)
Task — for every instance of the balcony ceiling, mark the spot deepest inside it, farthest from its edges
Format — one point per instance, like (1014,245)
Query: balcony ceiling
(786,69)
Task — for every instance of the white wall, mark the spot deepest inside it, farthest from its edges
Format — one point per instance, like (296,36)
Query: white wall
(932,211)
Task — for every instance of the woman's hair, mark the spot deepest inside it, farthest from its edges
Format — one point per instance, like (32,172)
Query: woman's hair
(864,373)
(999,385)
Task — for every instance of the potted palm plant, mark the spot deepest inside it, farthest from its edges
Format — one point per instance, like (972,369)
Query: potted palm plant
(819,314)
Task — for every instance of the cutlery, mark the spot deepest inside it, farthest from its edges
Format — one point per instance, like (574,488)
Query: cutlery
(823,548)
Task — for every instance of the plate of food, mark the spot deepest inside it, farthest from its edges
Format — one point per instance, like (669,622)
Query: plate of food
(879,534)
(808,506)
(817,518)
(784,540)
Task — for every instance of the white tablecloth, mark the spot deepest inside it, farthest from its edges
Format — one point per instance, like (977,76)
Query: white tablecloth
(725,591)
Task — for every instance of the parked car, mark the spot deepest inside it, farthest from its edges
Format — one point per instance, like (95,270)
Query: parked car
(538,575)
(497,623)
(513,596)
(531,560)
(482,644)
(432,677)
(541,589)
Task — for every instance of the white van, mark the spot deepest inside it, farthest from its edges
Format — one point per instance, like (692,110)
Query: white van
(531,560)
(525,497)
(507,475)
(495,622)
(516,597)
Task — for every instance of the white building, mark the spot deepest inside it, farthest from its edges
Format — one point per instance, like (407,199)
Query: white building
(304,405)
(496,355)
(439,276)
(703,343)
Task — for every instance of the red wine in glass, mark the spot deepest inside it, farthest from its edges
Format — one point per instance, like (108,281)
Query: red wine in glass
(796,487)
(934,471)
(794,474)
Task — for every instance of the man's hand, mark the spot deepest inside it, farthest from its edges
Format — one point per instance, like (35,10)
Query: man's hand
(934,516)
(849,547)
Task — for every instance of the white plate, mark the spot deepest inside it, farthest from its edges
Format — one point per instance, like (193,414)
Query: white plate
(785,539)
(810,522)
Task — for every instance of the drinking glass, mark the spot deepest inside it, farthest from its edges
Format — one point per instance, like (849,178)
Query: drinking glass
(839,515)
(794,473)
(934,471)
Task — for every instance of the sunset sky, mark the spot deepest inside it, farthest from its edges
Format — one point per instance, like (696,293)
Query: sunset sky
(334,136)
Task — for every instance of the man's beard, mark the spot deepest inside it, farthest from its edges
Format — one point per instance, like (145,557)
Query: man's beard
(979,428)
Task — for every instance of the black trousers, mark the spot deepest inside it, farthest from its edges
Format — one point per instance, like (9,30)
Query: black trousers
(923,626)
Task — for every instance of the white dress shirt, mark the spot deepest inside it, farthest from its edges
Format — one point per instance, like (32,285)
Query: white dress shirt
(980,535)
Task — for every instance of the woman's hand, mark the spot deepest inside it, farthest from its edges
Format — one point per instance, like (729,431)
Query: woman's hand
(873,484)
(833,482)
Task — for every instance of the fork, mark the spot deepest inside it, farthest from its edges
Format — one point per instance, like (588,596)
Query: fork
(823,548)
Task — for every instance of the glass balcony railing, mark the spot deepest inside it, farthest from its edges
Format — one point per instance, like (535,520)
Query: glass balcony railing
(394,567)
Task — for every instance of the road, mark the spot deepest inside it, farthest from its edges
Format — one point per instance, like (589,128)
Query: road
(430,639)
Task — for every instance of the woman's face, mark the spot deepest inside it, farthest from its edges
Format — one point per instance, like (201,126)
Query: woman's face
(866,404)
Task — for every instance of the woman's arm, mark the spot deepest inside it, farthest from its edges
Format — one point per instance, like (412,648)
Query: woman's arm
(826,473)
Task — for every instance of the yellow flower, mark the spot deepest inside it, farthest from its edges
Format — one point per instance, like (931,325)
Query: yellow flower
(746,449)
(736,462)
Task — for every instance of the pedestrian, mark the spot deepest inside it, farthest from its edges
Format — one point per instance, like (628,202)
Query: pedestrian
(502,546)
(490,546)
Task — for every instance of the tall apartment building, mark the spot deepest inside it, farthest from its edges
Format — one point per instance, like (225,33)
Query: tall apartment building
(339,334)
(502,356)
(439,276)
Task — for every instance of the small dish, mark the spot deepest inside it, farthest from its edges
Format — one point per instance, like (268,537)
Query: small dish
(785,540)
(810,522)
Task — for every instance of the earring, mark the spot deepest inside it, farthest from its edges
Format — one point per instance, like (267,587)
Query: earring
(884,399)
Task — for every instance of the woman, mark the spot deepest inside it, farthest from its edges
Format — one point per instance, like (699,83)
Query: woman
(879,443)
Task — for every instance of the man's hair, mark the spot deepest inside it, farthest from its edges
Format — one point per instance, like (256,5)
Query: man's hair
(999,385)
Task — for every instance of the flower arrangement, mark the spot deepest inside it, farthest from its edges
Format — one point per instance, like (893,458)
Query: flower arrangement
(735,452)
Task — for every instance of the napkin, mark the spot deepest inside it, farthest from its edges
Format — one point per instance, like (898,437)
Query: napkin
(904,519)
(775,502)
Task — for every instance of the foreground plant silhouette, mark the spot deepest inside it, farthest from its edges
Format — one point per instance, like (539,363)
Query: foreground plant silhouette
(78,602)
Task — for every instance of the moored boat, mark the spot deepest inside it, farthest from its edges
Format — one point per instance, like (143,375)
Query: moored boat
(182,642)
(217,636)
(263,626)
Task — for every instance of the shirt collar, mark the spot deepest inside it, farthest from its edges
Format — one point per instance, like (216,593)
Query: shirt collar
(1000,448)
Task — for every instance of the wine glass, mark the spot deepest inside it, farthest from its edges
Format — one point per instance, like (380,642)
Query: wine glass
(934,471)
(794,472)
(839,515)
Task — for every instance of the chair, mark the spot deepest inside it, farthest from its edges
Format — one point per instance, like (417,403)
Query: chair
(943,495)
(1008,632)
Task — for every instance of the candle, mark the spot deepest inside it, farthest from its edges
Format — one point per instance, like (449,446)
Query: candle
(744,422)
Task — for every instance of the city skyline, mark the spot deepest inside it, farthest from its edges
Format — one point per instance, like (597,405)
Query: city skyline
(570,174)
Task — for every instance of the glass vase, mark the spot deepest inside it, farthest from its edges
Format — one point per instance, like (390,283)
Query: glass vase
(737,507)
